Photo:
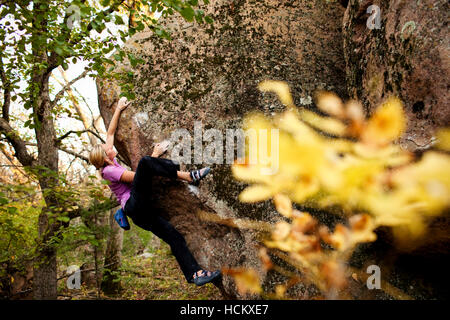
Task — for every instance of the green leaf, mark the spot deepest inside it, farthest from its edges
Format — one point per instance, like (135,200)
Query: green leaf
(63,219)
(59,51)
(119,20)
(12,210)
(209,20)
(188,13)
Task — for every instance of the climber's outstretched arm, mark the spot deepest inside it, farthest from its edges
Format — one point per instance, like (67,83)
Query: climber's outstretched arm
(121,105)
(127,176)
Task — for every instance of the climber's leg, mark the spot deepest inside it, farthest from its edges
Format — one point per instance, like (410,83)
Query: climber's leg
(149,167)
(165,231)
(184,175)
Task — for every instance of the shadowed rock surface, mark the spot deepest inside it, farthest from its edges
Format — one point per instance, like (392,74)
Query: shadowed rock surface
(407,57)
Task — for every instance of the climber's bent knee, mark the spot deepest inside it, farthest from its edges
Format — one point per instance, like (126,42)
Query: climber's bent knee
(145,162)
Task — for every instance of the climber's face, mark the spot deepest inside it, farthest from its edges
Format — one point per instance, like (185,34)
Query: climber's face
(110,153)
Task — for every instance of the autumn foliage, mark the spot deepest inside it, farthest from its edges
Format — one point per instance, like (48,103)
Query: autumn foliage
(346,161)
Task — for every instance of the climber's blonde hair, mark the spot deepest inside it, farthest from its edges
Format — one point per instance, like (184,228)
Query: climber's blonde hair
(97,156)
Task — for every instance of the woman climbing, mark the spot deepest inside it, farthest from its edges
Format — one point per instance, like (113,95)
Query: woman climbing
(133,190)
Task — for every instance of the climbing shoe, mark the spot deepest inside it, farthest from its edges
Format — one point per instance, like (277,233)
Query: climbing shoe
(197,175)
(205,277)
(121,219)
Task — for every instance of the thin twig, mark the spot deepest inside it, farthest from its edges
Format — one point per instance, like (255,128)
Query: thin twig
(60,94)
(79,132)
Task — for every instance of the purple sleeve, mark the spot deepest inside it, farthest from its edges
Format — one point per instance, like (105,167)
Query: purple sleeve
(113,173)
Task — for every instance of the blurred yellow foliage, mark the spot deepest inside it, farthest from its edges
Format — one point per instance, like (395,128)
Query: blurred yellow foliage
(247,280)
(342,160)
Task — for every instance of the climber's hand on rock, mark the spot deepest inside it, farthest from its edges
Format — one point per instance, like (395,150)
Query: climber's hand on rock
(159,149)
(123,103)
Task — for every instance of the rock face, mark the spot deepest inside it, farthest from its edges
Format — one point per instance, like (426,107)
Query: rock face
(207,76)
(408,57)
(210,74)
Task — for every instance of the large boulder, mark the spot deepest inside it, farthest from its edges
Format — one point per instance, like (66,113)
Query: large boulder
(408,56)
(210,74)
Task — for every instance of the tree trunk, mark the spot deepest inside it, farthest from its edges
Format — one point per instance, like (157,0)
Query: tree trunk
(45,278)
(110,283)
(45,270)
(44,273)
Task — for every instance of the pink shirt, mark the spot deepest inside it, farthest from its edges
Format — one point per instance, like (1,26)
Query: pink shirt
(120,189)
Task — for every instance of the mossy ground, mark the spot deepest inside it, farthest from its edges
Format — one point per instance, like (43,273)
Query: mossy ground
(160,278)
(154,278)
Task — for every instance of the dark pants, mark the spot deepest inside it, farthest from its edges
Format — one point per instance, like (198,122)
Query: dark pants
(139,209)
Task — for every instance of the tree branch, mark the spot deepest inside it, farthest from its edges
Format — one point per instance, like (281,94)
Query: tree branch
(64,150)
(6,92)
(78,108)
(19,145)
(74,154)
(58,140)
(60,94)
(11,160)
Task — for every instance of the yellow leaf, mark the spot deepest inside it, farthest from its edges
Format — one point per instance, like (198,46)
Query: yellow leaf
(325,124)
(330,103)
(306,186)
(343,238)
(255,193)
(281,88)
(387,123)
(281,231)
(249,173)
(247,280)
(265,259)
(290,122)
(303,222)
(283,205)
(354,111)
(333,274)
(280,290)
(443,139)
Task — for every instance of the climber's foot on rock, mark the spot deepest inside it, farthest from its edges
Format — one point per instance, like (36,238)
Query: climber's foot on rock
(202,277)
(197,175)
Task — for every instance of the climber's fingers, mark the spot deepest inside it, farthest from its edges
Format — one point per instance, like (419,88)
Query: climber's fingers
(123,103)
